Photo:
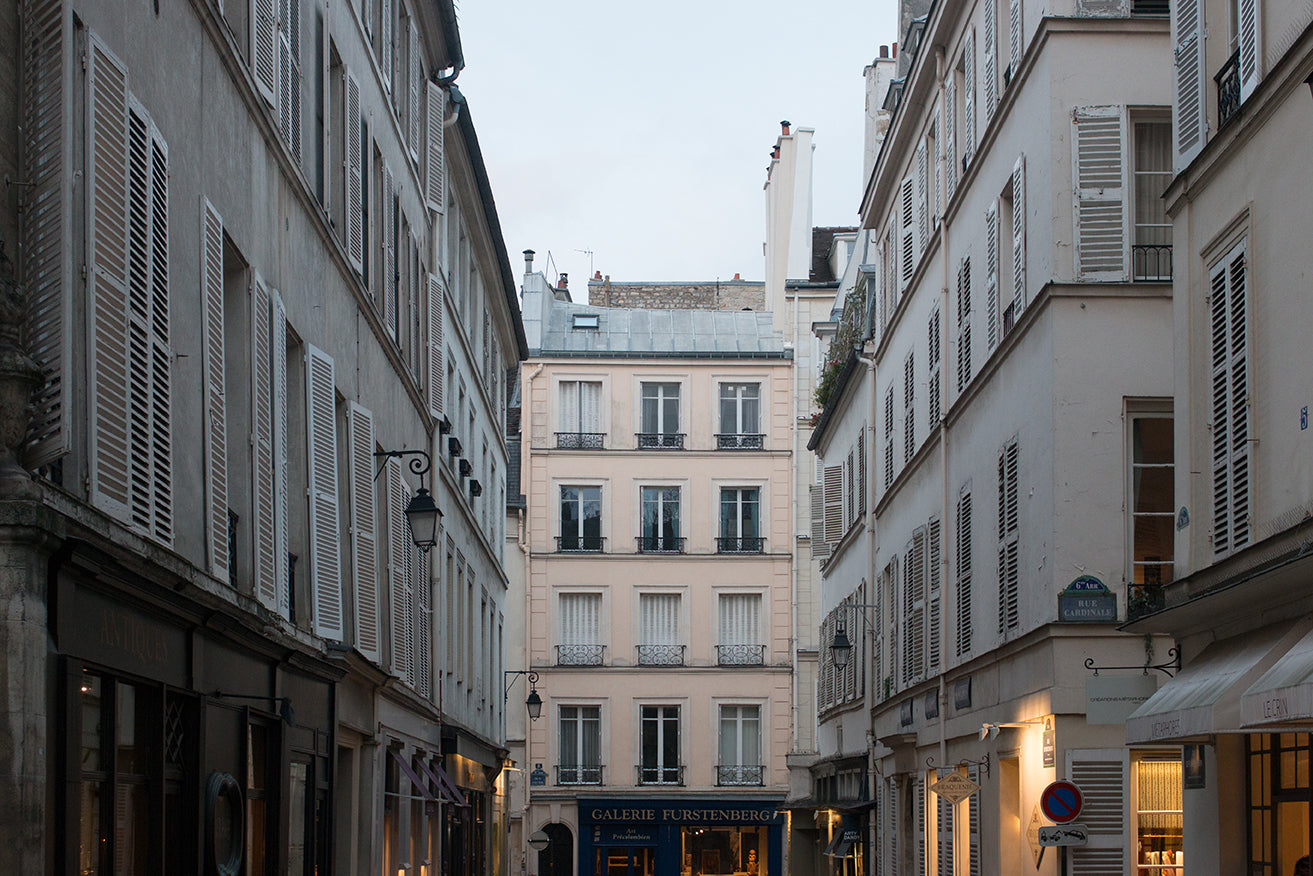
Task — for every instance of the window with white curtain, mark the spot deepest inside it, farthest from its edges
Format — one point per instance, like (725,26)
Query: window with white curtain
(740,420)
(740,746)
(580,416)
(581,631)
(580,748)
(659,639)
(740,630)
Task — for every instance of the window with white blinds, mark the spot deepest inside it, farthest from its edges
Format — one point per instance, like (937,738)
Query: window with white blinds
(581,406)
(740,619)
(581,618)
(740,741)
(659,619)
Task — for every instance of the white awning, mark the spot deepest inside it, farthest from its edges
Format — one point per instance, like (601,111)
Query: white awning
(1283,693)
(1204,697)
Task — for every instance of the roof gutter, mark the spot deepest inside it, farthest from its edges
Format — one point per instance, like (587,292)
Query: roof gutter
(451,32)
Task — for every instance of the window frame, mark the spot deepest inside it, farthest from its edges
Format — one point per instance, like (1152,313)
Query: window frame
(666,774)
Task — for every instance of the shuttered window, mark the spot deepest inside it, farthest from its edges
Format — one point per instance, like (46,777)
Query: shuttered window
(216,429)
(1016,36)
(264,48)
(262,446)
(437,310)
(1189,109)
(400,585)
(969,98)
(1103,776)
(991,276)
(933,407)
(386,40)
(944,835)
(1099,167)
(950,136)
(1229,328)
(907,232)
(889,438)
(434,170)
(964,324)
(861,471)
(922,196)
(834,528)
(364,531)
(934,598)
(1251,56)
(1008,570)
(973,825)
(820,547)
(321,476)
(962,596)
(1019,296)
(909,406)
(353,130)
(914,608)
(416,91)
(289,74)
(989,61)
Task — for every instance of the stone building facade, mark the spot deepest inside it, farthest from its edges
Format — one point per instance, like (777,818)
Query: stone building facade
(732,294)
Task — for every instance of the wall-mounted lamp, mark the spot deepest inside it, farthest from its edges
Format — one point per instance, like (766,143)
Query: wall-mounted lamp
(992,730)
(285,711)
(534,703)
(841,649)
(422,514)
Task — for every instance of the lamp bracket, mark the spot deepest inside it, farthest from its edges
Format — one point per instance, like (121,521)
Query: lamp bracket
(417,465)
(862,613)
(509,676)
(1173,663)
(966,761)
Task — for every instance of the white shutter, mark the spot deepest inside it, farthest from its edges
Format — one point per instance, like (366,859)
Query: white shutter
(387,20)
(1251,55)
(46,257)
(422,661)
(364,531)
(820,547)
(1103,775)
(907,232)
(833,503)
(964,324)
(433,179)
(914,608)
(416,86)
(1228,305)
(950,137)
(216,435)
(388,250)
(280,452)
(909,406)
(1016,33)
(991,275)
(403,620)
(1019,234)
(437,317)
(321,471)
(262,448)
(923,196)
(861,471)
(107,256)
(933,354)
(355,204)
(1098,170)
(1189,109)
(1009,608)
(264,48)
(933,599)
(969,98)
(962,597)
(990,61)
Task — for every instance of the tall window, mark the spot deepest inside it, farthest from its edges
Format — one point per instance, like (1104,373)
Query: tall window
(740,426)
(581,415)
(659,639)
(1151,508)
(660,522)
(581,519)
(740,630)
(659,423)
(580,746)
(1151,245)
(660,747)
(581,630)
(740,510)
(740,746)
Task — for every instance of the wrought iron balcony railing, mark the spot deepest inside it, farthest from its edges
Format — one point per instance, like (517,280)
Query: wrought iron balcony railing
(660,544)
(580,655)
(1151,261)
(660,655)
(580,440)
(659,775)
(742,544)
(579,774)
(740,774)
(1228,89)
(660,440)
(580,544)
(740,655)
(740,441)
(1143,599)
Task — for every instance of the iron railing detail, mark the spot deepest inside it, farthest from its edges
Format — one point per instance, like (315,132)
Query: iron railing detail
(580,655)
(580,440)
(660,440)
(740,774)
(660,655)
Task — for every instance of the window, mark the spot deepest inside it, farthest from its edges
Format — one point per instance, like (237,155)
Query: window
(1151,172)
(581,519)
(740,510)
(581,632)
(580,746)
(740,746)
(586,320)
(909,407)
(740,630)
(1008,569)
(659,417)
(1228,303)
(740,427)
(1280,803)
(1159,816)
(660,747)
(581,415)
(1151,508)
(660,521)
(659,639)
(964,561)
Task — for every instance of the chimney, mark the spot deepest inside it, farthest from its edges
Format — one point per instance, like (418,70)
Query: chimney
(564,282)
(597,275)
(884,51)
(528,261)
(784,128)
(736,276)
(562,291)
(895,49)
(775,153)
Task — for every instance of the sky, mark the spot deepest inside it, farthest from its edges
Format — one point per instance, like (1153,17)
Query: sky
(633,138)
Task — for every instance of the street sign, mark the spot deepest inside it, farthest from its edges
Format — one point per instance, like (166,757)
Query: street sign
(1063,835)
(1061,802)
(955,788)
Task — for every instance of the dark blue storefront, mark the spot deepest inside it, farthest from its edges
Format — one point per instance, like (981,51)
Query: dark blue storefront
(680,837)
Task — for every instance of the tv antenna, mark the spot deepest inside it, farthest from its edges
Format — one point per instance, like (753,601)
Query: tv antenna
(589,253)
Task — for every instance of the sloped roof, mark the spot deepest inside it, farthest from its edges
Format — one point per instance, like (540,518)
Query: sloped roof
(634,332)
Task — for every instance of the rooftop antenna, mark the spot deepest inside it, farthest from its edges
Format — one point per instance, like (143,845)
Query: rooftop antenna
(589,253)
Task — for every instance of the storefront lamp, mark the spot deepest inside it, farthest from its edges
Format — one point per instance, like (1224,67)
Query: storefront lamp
(422,514)
(539,840)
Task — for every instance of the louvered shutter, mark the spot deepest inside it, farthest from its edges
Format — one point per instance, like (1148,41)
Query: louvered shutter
(889,438)
(216,435)
(833,503)
(386,21)
(973,825)
(964,324)
(907,232)
(280,453)
(262,447)
(1016,33)
(1019,234)
(922,197)
(46,257)
(950,137)
(403,619)
(914,608)
(969,98)
(820,547)
(388,252)
(861,471)
(1251,56)
(849,490)
(434,170)
(416,85)
(933,598)
(909,406)
(107,256)
(264,48)
(289,93)
(321,471)
(1228,306)
(422,662)
(437,318)
(989,62)
(932,362)
(991,275)
(895,800)
(364,531)
(354,150)
(918,820)
(1189,109)
(944,835)
(1098,161)
(1103,775)
(962,598)
(1008,568)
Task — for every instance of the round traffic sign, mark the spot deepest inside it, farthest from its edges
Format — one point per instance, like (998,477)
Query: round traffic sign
(1061,802)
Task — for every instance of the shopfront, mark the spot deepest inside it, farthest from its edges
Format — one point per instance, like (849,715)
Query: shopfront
(664,837)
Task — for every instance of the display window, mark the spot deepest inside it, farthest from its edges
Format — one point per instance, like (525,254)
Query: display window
(1158,814)
(1279,798)
(723,851)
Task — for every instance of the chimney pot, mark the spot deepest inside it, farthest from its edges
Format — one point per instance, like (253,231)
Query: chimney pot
(597,275)
(528,261)
(736,276)
(784,127)
(884,51)
(564,281)
(895,49)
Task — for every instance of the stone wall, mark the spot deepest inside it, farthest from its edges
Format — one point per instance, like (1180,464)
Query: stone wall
(714,295)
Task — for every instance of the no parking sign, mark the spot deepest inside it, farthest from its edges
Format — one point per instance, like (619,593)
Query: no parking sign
(1061,802)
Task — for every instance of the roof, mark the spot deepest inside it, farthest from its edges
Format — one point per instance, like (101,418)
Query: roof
(634,332)
(822,241)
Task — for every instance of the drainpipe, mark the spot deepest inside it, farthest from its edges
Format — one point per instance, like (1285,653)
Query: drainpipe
(868,630)
(793,537)
(522,541)
(944,564)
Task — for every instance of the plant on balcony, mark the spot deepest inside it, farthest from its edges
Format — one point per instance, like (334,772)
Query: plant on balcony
(846,336)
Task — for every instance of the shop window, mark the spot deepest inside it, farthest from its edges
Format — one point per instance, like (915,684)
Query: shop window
(1279,802)
(1159,823)
(712,851)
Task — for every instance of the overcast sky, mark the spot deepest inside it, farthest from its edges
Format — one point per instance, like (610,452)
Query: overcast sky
(642,131)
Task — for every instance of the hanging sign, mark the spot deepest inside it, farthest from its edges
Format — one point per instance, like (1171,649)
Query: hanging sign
(955,788)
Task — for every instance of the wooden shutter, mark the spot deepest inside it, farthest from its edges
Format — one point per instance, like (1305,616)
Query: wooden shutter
(1103,776)
(914,608)
(216,435)
(923,196)
(964,324)
(949,138)
(262,448)
(1251,55)
(364,530)
(45,253)
(1190,109)
(280,452)
(264,48)
(833,503)
(962,597)
(1008,570)
(1228,307)
(820,547)
(321,472)
(388,250)
(907,232)
(434,171)
(107,256)
(1099,169)
(991,275)
(969,98)
(403,619)
(416,92)
(933,598)
(1016,33)
(387,21)
(353,125)
(1019,234)
(990,60)
(932,364)
(437,317)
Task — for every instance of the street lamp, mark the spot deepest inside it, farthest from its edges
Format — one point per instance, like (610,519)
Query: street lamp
(422,514)
(534,703)
(841,649)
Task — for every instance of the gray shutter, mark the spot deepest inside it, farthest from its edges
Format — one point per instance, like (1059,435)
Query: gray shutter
(1098,172)
(437,318)
(262,448)
(1019,295)
(1190,109)
(820,547)
(364,531)
(907,232)
(1251,55)
(964,324)
(387,22)
(321,471)
(933,598)
(962,597)
(264,48)
(833,503)
(932,361)
(403,619)
(990,61)
(949,137)
(1103,775)
(991,275)
(1016,35)
(280,452)
(914,608)
(1230,406)
(216,435)
(353,122)
(969,98)
(416,79)
(433,179)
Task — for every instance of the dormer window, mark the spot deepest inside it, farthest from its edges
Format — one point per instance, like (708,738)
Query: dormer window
(586,321)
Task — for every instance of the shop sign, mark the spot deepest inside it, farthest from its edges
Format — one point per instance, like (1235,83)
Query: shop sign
(1032,836)
(99,629)
(955,788)
(1110,699)
(1087,600)
(1049,747)
(627,836)
(663,812)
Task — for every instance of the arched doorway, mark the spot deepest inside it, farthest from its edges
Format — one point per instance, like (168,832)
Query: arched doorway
(558,858)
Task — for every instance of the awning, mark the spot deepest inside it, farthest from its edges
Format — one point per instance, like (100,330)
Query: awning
(448,790)
(1284,693)
(411,774)
(1204,697)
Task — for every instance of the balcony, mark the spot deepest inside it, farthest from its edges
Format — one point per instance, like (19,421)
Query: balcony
(740,655)
(1152,262)
(659,544)
(740,441)
(580,655)
(743,544)
(1143,599)
(579,775)
(660,440)
(659,775)
(580,440)
(739,775)
(1228,89)
(580,544)
(660,655)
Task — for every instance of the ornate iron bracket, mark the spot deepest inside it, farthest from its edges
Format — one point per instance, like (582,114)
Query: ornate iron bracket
(966,761)
(1173,663)
(509,676)
(417,465)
